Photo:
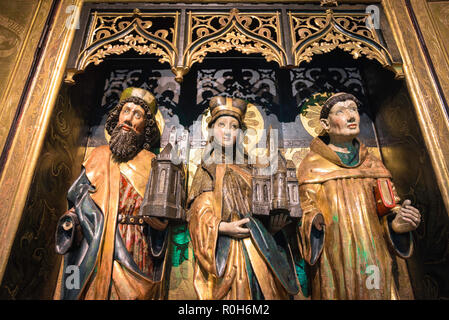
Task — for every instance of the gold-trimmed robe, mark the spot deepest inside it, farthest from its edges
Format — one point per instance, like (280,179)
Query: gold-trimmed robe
(207,210)
(109,278)
(354,239)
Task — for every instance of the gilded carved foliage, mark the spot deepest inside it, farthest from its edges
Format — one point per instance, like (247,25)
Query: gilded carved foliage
(115,34)
(107,26)
(138,43)
(322,33)
(243,32)
(233,40)
(264,25)
(265,33)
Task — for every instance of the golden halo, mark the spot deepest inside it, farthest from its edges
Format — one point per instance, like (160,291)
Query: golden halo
(310,112)
(160,122)
(253,122)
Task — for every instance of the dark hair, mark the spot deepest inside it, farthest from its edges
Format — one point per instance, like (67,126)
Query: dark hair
(327,106)
(151,132)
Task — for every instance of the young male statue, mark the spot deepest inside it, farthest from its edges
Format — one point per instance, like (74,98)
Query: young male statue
(109,251)
(236,257)
(352,250)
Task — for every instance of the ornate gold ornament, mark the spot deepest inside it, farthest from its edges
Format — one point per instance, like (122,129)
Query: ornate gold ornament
(321,33)
(328,3)
(245,32)
(154,33)
(117,33)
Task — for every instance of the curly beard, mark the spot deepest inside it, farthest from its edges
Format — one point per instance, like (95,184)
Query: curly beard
(125,145)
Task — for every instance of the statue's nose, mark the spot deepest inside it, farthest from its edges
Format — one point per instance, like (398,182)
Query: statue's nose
(127,117)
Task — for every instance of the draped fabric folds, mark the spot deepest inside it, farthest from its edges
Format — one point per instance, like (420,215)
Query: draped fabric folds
(226,268)
(355,243)
(114,260)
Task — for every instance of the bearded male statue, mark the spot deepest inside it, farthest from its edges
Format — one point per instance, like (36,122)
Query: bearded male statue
(113,251)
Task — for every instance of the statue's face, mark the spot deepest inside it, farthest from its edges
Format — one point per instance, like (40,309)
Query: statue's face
(343,121)
(225,130)
(128,135)
(132,117)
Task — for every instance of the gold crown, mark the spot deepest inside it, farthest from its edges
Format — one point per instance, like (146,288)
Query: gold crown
(145,95)
(221,106)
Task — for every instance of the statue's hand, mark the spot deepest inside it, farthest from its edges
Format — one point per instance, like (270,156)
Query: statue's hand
(407,218)
(156,223)
(278,222)
(234,229)
(318,222)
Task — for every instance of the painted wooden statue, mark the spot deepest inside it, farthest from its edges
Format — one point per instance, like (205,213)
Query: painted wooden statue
(118,254)
(354,232)
(236,256)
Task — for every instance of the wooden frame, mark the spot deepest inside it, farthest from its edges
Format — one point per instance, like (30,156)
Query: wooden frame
(424,64)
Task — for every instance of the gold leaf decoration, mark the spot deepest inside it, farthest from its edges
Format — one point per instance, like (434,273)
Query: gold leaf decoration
(235,41)
(137,31)
(248,33)
(137,43)
(319,34)
(310,111)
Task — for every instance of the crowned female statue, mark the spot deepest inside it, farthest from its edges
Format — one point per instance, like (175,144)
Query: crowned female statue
(237,257)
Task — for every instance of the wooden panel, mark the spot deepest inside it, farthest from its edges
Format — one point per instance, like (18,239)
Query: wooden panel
(21,27)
